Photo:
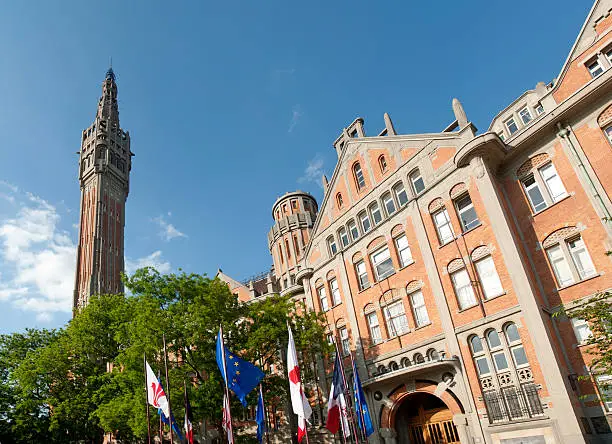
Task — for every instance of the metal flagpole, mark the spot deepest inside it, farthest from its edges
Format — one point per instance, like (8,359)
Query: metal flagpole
(264,412)
(360,413)
(144,355)
(168,389)
(161,428)
(231,429)
(346,391)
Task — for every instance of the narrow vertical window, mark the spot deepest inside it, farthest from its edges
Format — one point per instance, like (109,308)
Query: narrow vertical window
(560,266)
(389,203)
(362,275)
(443,226)
(375,212)
(375,333)
(352,226)
(365,222)
(482,364)
(421,317)
(608,132)
(581,258)
(466,212)
(553,182)
(400,194)
(345,341)
(382,162)
(344,238)
(335,291)
(339,200)
(532,189)
(498,355)
(539,109)
(489,279)
(323,298)
(403,250)
(516,347)
(331,244)
(418,185)
(463,289)
(359,179)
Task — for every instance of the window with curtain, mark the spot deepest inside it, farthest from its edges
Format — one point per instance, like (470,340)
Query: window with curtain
(489,279)
(335,291)
(421,317)
(395,315)
(374,327)
(463,288)
(443,226)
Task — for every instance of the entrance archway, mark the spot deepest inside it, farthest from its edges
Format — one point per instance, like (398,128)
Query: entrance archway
(423,418)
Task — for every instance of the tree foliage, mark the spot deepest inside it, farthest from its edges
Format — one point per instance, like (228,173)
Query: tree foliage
(87,379)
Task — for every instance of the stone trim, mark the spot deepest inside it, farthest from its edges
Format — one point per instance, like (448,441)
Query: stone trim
(340,323)
(435,205)
(377,242)
(390,296)
(480,252)
(397,230)
(454,265)
(458,190)
(414,286)
(330,274)
(357,257)
(556,236)
(605,118)
(369,308)
(531,164)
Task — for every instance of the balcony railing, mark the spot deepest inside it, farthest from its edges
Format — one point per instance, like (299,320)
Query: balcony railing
(513,403)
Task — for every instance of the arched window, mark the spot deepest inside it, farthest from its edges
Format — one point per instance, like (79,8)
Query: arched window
(358,175)
(331,244)
(339,200)
(418,184)
(400,194)
(382,369)
(481,361)
(516,346)
(395,315)
(382,162)
(373,325)
(486,271)
(389,203)
(497,353)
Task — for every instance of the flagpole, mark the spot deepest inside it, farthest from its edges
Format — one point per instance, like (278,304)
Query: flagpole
(144,355)
(361,415)
(346,391)
(161,428)
(231,429)
(264,413)
(168,388)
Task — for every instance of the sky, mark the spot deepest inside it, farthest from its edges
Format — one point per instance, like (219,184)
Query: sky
(229,105)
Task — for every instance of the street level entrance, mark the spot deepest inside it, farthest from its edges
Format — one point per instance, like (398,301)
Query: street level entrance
(425,419)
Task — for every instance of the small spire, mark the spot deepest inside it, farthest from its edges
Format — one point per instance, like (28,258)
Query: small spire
(325,182)
(460,115)
(389,125)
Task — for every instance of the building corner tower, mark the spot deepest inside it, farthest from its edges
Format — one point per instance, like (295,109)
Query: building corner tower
(104,173)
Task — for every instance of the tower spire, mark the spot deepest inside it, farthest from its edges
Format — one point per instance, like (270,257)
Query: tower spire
(107,107)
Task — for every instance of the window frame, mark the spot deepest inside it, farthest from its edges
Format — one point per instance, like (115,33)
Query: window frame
(364,216)
(342,234)
(558,197)
(392,332)
(535,185)
(453,277)
(414,176)
(522,117)
(422,305)
(345,340)
(362,285)
(481,281)
(472,224)
(598,70)
(382,163)
(396,187)
(371,327)
(448,223)
(388,197)
(375,265)
(567,256)
(508,126)
(358,176)
(336,297)
(539,109)
(332,245)
(374,208)
(403,262)
(339,200)
(577,324)
(322,294)
(350,229)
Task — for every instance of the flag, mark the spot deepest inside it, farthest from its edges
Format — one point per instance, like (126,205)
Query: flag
(301,406)
(155,392)
(188,420)
(242,376)
(364,420)
(227,420)
(336,405)
(164,417)
(260,417)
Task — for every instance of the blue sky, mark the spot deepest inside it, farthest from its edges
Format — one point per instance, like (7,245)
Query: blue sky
(229,105)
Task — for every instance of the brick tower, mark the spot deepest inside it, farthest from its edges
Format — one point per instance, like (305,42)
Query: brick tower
(104,173)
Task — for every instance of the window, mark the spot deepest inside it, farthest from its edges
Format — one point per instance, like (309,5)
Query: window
(525,115)
(418,358)
(362,275)
(534,194)
(511,125)
(443,226)
(339,200)
(581,329)
(516,347)
(604,383)
(400,194)
(499,357)
(463,289)
(375,212)
(343,237)
(421,317)
(323,298)
(595,68)
(345,341)
(489,279)
(389,203)
(553,182)
(383,265)
(560,266)
(418,185)
(352,226)
(581,258)
(608,132)
(476,345)
(539,109)
(365,221)
(482,364)
(335,291)
(467,213)
(502,136)
(397,323)
(382,162)
(331,244)
(359,179)
(374,327)
(403,250)
(609,55)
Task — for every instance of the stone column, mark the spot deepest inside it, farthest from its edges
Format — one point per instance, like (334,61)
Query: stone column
(460,421)
(389,435)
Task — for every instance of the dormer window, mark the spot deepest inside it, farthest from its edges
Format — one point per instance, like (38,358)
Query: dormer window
(382,162)
(359,179)
(595,68)
(511,125)
(525,115)
(339,200)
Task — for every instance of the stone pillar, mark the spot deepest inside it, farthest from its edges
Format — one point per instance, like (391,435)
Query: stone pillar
(389,435)
(460,421)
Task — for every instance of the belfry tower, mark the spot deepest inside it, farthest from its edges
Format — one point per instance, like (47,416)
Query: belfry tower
(105,161)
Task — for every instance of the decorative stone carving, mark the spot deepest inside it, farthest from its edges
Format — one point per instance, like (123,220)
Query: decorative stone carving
(504,379)
(435,205)
(414,286)
(532,163)
(486,382)
(455,265)
(480,252)
(560,234)
(525,374)
(458,190)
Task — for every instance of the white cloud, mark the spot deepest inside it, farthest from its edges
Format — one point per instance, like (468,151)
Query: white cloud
(39,259)
(296,115)
(313,171)
(168,231)
(154,260)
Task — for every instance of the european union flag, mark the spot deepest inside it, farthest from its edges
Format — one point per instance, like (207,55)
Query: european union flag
(361,406)
(242,376)
(260,417)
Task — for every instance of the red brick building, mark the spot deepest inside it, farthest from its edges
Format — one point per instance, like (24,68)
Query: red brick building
(439,259)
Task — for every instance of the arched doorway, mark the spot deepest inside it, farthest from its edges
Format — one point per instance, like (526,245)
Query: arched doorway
(423,418)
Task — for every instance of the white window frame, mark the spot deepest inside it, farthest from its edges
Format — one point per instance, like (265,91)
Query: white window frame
(374,210)
(581,330)
(364,216)
(574,251)
(376,263)
(403,250)
(335,292)
(441,224)
(560,265)
(344,237)
(374,327)
(332,246)
(414,177)
(527,112)
(353,228)
(472,224)
(605,393)
(419,309)
(399,189)
(548,178)
(535,185)
(393,328)
(362,277)
(595,68)
(388,198)
(508,125)
(491,285)
(539,109)
(359,177)
(563,258)
(323,300)
(345,341)
(466,297)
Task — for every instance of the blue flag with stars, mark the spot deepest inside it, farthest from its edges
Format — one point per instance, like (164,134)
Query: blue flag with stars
(242,376)
(361,406)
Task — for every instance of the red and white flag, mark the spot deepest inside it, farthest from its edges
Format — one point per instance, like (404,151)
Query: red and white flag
(336,405)
(155,392)
(301,406)
(227,420)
